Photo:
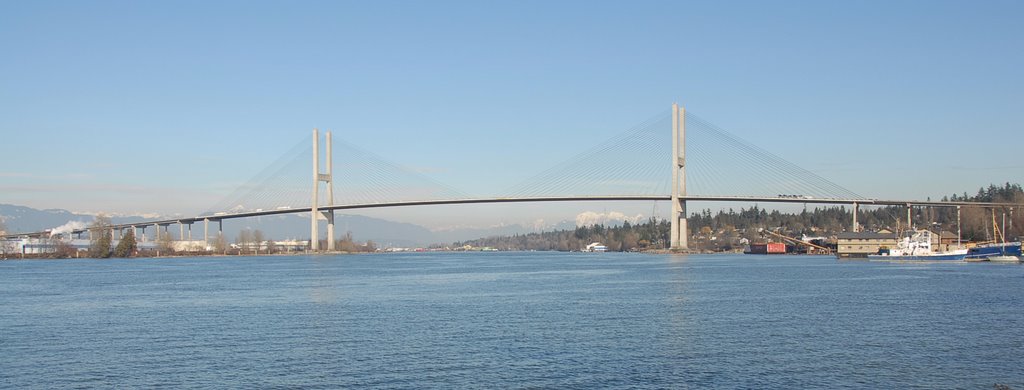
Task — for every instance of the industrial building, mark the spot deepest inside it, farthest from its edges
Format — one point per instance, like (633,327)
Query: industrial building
(862,244)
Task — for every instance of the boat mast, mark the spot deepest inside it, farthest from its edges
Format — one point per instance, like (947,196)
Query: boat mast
(1002,234)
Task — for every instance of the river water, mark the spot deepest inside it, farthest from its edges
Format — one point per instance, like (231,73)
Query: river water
(510,320)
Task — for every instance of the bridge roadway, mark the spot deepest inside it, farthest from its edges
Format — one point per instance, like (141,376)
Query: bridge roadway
(216,217)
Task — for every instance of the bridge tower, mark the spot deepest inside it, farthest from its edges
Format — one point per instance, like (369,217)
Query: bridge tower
(315,213)
(678,234)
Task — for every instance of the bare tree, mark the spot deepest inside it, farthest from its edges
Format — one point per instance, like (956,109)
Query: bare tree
(100,240)
(62,249)
(257,237)
(244,239)
(164,241)
(5,245)
(346,244)
(220,245)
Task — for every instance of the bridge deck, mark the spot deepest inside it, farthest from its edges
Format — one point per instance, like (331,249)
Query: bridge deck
(691,198)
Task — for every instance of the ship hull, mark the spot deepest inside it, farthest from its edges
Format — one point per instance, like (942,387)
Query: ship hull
(939,257)
(984,251)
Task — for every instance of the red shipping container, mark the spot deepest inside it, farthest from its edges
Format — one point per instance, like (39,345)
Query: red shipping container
(776,247)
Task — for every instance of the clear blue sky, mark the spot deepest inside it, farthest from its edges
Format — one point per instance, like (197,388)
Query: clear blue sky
(164,107)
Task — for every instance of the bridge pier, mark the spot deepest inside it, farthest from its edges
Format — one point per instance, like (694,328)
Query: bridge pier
(329,214)
(679,237)
(314,235)
(1010,228)
(958,231)
(856,209)
(315,213)
(910,224)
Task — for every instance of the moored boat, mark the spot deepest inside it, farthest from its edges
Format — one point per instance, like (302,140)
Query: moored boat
(1002,252)
(997,249)
(918,247)
(1004,259)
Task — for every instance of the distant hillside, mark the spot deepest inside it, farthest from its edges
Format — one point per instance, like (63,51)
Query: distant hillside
(26,219)
(384,233)
(19,219)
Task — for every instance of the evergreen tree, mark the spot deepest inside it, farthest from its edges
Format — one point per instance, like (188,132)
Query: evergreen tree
(127,246)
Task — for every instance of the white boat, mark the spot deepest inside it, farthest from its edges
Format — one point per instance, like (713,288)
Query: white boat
(1004,259)
(1008,252)
(918,247)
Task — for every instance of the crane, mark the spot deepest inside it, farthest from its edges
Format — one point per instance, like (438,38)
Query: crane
(795,241)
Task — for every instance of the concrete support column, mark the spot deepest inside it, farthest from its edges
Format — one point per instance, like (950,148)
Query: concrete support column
(1010,228)
(190,231)
(958,232)
(314,235)
(856,209)
(679,236)
(206,231)
(181,231)
(329,214)
(910,209)
(156,232)
(220,235)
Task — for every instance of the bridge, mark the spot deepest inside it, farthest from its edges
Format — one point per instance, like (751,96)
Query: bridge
(722,160)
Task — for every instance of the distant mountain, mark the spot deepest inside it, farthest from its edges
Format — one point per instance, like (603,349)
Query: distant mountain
(385,233)
(463,234)
(20,219)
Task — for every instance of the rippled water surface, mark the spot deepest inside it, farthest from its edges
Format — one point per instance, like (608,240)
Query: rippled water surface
(510,320)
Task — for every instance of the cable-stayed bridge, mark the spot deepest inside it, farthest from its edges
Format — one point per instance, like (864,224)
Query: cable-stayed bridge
(674,156)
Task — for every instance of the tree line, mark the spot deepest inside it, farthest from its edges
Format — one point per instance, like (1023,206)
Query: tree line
(724,230)
(652,234)
(730,229)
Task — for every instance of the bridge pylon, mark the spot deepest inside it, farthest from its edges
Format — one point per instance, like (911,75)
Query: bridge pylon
(678,235)
(315,213)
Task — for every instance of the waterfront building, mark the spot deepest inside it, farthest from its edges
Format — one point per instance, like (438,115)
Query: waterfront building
(862,244)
